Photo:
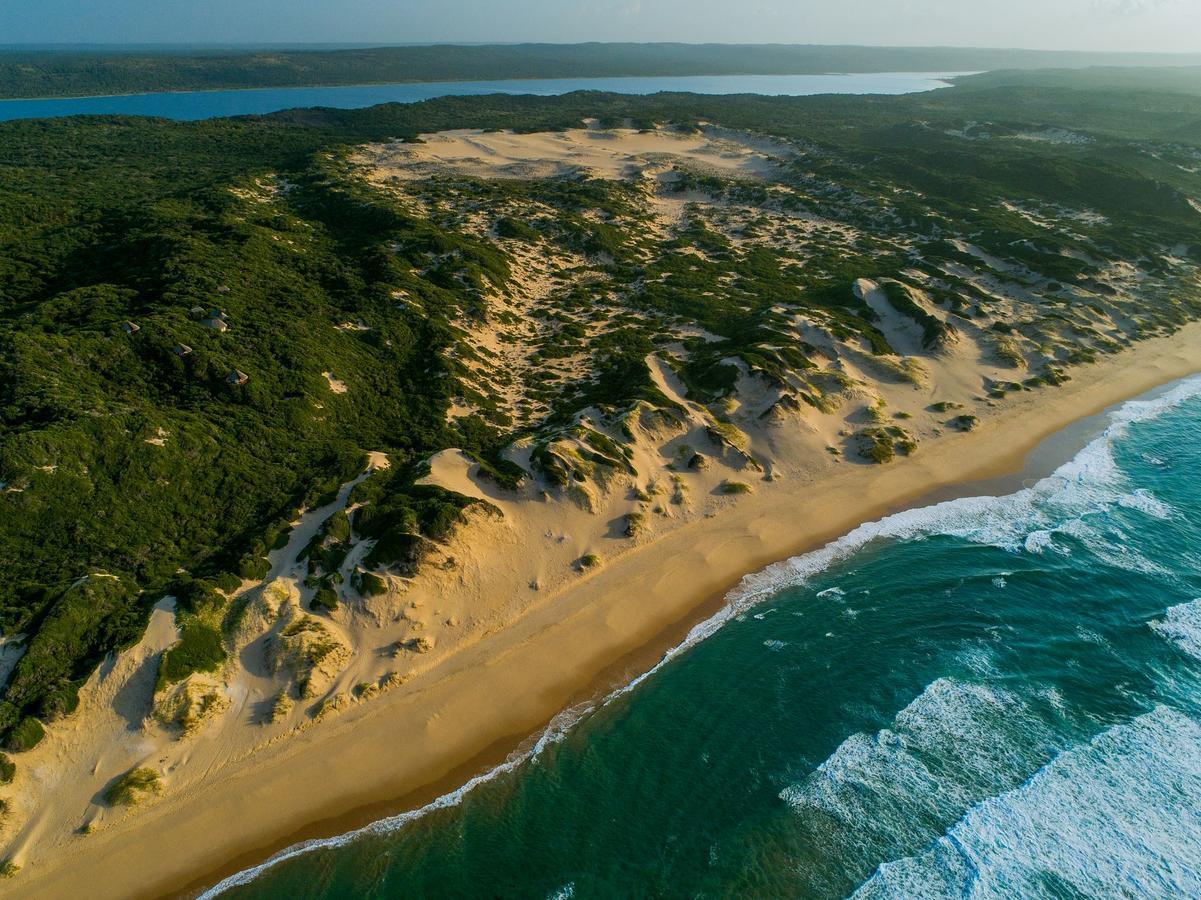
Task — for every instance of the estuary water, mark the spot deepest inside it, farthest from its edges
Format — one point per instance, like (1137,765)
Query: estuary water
(990,697)
(191,105)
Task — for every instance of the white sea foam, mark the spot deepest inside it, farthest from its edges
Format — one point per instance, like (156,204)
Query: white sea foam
(1037,541)
(1087,481)
(956,742)
(1093,637)
(1146,502)
(1111,544)
(1054,698)
(979,659)
(554,733)
(1089,485)
(1182,626)
(1116,817)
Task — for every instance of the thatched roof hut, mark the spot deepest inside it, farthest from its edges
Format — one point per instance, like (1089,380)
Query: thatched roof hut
(237,376)
(130,327)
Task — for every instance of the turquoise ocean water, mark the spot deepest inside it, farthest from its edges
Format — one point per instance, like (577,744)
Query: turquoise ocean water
(991,697)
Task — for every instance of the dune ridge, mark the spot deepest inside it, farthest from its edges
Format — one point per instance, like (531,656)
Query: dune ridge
(628,527)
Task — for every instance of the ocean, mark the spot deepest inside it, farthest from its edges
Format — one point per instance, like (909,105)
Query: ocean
(989,697)
(192,105)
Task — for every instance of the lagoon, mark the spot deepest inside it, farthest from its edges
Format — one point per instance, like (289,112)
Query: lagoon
(194,105)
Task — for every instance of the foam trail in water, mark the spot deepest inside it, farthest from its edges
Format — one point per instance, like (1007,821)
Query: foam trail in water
(1089,485)
(954,744)
(1117,817)
(1182,626)
(1086,483)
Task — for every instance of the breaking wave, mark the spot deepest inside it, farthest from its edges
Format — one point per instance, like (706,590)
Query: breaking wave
(1182,626)
(950,717)
(1088,486)
(1116,817)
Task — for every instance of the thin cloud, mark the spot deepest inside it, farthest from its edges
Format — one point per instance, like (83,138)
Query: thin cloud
(1132,7)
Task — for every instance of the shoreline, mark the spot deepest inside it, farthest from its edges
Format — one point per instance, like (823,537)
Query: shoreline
(948,77)
(420,744)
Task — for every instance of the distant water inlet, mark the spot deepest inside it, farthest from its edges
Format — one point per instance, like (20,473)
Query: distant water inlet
(191,105)
(991,697)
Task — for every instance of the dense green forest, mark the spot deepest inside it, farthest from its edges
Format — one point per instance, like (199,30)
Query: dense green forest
(132,463)
(1162,79)
(54,73)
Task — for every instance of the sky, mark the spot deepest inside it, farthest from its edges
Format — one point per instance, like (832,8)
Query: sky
(1148,25)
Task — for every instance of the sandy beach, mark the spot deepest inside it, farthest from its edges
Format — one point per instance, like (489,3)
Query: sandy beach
(472,707)
(551,592)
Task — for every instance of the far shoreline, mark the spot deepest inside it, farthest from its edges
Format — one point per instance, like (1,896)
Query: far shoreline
(1037,454)
(949,80)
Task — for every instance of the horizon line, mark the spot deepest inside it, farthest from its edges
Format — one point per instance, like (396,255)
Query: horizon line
(371,45)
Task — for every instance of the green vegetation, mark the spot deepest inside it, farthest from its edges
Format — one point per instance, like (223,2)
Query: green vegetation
(79,626)
(187,706)
(128,471)
(964,423)
(337,527)
(254,568)
(132,787)
(734,487)
(200,648)
(508,227)
(369,584)
(505,473)
(26,73)
(881,445)
(301,648)
(936,333)
(7,769)
(25,735)
(326,598)
(227,582)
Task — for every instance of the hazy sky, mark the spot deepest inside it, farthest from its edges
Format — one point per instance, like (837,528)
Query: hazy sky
(1069,24)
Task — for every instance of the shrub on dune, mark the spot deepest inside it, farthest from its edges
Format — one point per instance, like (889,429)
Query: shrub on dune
(132,787)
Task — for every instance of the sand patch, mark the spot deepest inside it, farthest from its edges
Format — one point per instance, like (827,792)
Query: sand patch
(601,153)
(377,460)
(903,334)
(452,470)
